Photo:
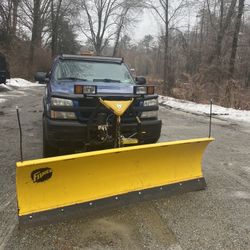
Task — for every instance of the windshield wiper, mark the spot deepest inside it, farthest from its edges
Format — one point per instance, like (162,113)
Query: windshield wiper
(105,80)
(72,78)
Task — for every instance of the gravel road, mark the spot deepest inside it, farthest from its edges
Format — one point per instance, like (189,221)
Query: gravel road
(217,218)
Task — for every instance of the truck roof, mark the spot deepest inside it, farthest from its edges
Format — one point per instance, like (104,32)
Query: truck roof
(92,58)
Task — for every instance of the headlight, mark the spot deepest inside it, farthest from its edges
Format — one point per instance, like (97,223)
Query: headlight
(61,102)
(141,90)
(144,90)
(62,115)
(149,114)
(151,102)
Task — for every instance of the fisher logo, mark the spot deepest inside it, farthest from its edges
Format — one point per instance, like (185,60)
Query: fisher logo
(41,175)
(119,106)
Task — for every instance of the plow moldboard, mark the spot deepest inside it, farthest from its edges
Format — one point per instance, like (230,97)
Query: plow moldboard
(53,188)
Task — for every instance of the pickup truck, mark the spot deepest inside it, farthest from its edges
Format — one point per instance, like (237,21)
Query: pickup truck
(76,121)
(4,69)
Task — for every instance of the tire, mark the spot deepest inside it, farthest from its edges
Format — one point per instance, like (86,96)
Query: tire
(48,150)
(151,141)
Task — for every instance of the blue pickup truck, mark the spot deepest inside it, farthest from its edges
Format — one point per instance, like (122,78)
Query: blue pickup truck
(74,120)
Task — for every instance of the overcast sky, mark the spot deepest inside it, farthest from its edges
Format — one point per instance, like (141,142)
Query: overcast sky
(147,25)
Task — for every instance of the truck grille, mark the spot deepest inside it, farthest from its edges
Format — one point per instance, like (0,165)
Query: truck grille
(129,115)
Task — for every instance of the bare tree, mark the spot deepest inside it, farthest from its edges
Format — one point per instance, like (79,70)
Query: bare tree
(105,20)
(36,33)
(8,19)
(15,16)
(5,14)
(126,19)
(34,15)
(224,23)
(55,11)
(162,9)
(236,37)
(35,12)
(61,13)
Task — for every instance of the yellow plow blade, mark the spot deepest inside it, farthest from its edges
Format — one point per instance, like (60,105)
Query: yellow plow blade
(55,188)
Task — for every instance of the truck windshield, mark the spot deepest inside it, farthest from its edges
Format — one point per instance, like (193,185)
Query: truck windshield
(92,71)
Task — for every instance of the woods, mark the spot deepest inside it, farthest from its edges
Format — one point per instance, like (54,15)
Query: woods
(202,49)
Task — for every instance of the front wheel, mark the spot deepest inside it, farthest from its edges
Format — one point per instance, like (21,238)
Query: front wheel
(48,150)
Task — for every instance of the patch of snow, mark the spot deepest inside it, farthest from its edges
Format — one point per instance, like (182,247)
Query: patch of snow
(218,111)
(19,82)
(4,87)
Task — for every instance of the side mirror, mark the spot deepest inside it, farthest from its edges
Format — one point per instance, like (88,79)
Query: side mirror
(41,77)
(140,80)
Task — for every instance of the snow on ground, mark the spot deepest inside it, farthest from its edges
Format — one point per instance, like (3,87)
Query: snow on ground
(19,82)
(14,84)
(4,88)
(218,111)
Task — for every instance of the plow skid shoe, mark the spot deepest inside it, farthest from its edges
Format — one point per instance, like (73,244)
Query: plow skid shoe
(129,141)
(53,189)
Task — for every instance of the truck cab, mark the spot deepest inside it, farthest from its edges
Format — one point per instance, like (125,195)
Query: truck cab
(74,120)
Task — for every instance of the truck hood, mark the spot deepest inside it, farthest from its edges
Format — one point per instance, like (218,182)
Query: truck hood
(102,88)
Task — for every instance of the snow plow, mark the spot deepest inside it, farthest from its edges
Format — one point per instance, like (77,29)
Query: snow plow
(54,188)
(65,186)
(133,169)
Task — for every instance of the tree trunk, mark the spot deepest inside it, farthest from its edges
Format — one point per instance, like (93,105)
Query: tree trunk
(98,46)
(55,22)
(166,86)
(35,34)
(236,37)
(52,30)
(220,34)
(223,26)
(201,35)
(118,35)
(14,23)
(119,30)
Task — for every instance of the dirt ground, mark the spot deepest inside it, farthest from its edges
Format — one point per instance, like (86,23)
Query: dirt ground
(217,218)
